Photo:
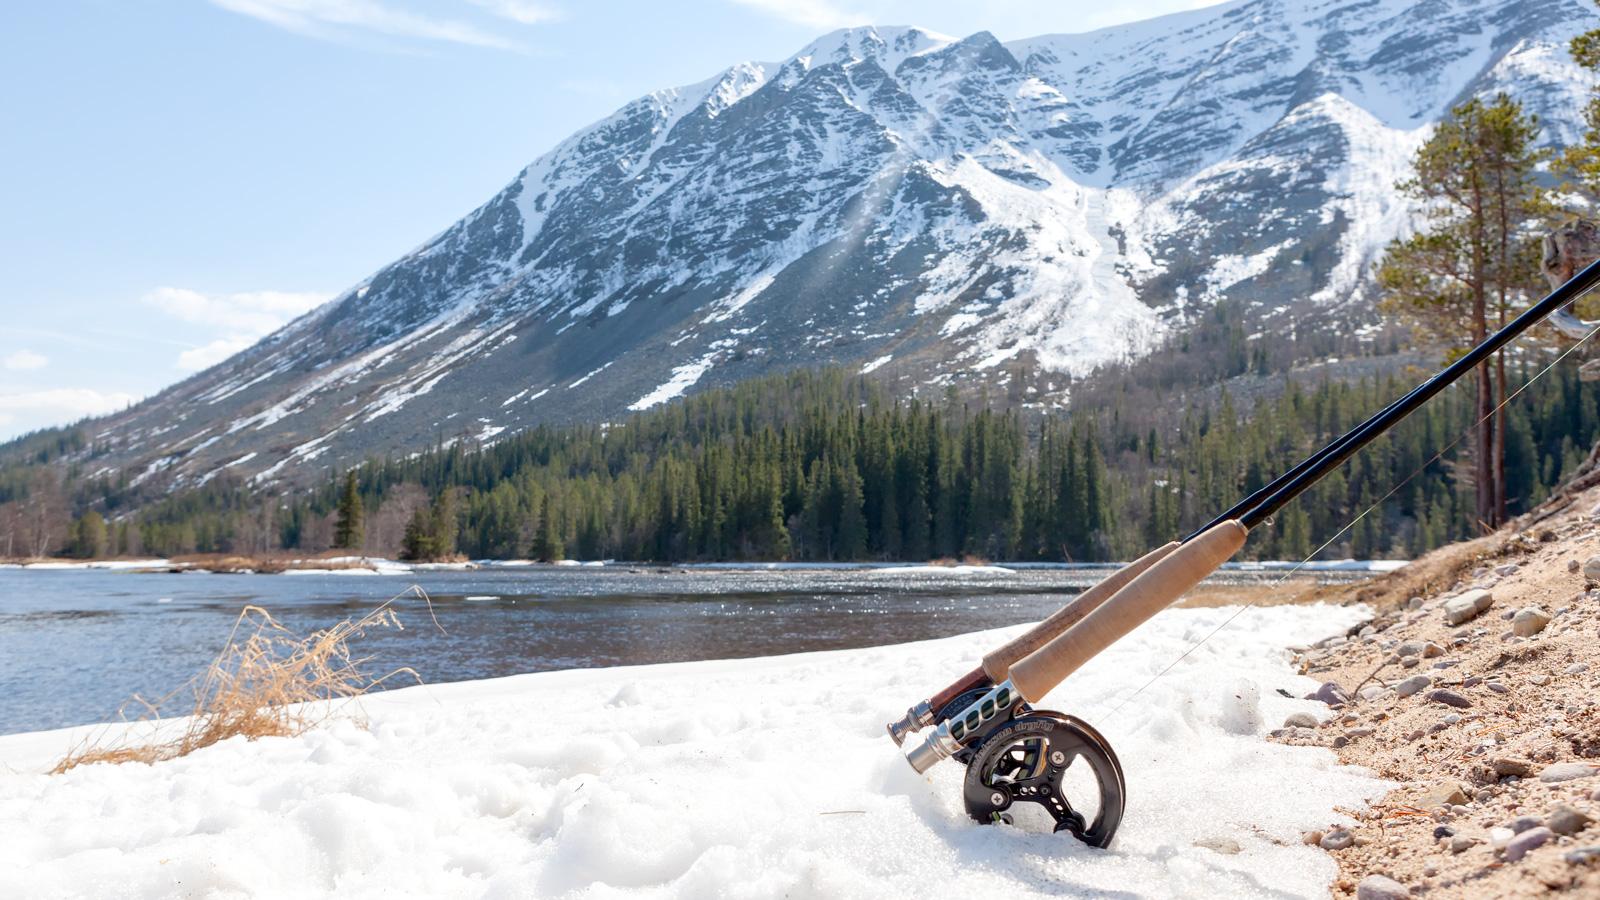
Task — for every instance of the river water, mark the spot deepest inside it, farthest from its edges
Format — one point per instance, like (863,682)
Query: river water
(76,644)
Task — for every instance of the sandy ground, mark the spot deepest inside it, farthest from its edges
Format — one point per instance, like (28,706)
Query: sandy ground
(1498,739)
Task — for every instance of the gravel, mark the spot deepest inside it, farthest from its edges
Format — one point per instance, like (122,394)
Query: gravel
(1528,840)
(1413,684)
(1381,887)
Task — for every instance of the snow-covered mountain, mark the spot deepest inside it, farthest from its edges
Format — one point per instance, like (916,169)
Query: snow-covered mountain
(885,197)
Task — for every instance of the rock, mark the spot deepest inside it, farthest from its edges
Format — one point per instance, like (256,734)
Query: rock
(1565,772)
(1442,832)
(1591,568)
(1506,570)
(1415,735)
(1565,818)
(1446,663)
(1411,648)
(1461,843)
(1472,681)
(1500,837)
(1301,720)
(1452,719)
(1510,765)
(1527,841)
(1381,887)
(1446,793)
(1467,606)
(1412,685)
(1578,669)
(1508,615)
(1354,733)
(1450,698)
(1430,650)
(1337,839)
(1582,856)
(1498,688)
(1409,661)
(1529,622)
(1341,742)
(1539,680)
(1367,630)
(1573,566)
(1414,603)
(1371,691)
(1523,823)
(1311,837)
(1225,846)
(1483,796)
(1330,693)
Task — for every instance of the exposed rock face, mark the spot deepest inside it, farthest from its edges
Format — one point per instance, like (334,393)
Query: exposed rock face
(884,197)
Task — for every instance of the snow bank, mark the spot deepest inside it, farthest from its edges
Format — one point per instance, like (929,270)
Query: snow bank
(751,778)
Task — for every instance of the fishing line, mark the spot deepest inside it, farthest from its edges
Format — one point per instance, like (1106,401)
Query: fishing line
(1352,523)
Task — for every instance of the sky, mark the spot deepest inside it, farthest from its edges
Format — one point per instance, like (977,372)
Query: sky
(180,177)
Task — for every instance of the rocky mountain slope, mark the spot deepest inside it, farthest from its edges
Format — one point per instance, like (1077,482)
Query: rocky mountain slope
(887,198)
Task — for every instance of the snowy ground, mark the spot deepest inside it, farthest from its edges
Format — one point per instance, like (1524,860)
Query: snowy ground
(708,779)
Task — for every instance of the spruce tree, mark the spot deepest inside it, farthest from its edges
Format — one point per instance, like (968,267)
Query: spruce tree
(347,534)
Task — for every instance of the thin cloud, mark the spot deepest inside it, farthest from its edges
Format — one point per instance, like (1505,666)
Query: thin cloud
(26,359)
(59,406)
(324,18)
(814,13)
(241,318)
(523,11)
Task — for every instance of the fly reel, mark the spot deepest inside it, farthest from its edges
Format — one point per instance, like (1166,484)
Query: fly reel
(1057,761)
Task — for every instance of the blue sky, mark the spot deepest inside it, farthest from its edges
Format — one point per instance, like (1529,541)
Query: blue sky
(179,177)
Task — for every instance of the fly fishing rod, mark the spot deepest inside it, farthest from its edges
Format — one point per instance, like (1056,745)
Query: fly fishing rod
(1017,754)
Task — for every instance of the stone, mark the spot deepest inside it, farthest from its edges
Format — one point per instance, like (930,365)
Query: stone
(1301,720)
(1447,664)
(1506,570)
(1450,698)
(1311,837)
(1500,837)
(1461,843)
(1510,765)
(1539,680)
(1413,684)
(1415,735)
(1508,615)
(1411,648)
(1529,622)
(1472,681)
(1381,887)
(1341,742)
(1367,631)
(1414,603)
(1409,662)
(1577,669)
(1447,793)
(1564,818)
(1430,650)
(1371,692)
(1362,732)
(1338,839)
(1565,772)
(1582,856)
(1467,606)
(1529,840)
(1452,719)
(1523,823)
(1443,831)
(1483,796)
(1573,566)
(1591,568)
(1330,693)
(1225,846)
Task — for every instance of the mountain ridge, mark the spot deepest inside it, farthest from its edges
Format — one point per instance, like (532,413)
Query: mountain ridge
(890,199)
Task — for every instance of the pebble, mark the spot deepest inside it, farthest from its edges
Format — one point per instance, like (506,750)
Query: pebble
(1529,622)
(1366,631)
(1413,684)
(1340,742)
(1443,831)
(1381,887)
(1573,565)
(1523,823)
(1461,843)
(1591,568)
(1565,772)
(1301,720)
(1416,602)
(1452,719)
(1225,846)
(1430,650)
(1577,669)
(1313,838)
(1508,615)
(1509,765)
(1500,837)
(1467,606)
(1450,698)
(1446,663)
(1472,681)
(1582,855)
(1411,648)
(1415,735)
(1565,818)
(1354,733)
(1506,570)
(1443,794)
(1330,693)
(1408,662)
(1371,692)
(1539,680)
(1337,839)
(1527,841)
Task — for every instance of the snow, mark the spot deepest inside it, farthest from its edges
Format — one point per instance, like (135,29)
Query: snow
(749,778)
(683,378)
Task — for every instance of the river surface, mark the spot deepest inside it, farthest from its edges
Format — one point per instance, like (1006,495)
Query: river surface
(76,644)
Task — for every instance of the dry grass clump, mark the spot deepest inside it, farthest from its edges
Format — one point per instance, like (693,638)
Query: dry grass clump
(268,682)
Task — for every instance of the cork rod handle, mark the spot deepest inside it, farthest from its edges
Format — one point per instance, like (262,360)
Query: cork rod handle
(997,665)
(1152,591)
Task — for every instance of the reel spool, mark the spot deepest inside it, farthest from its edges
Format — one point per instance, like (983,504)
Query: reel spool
(1035,756)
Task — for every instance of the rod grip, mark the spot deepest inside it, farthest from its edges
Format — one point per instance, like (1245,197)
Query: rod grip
(997,665)
(1152,591)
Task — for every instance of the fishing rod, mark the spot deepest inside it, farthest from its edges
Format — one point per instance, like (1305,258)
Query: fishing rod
(1017,754)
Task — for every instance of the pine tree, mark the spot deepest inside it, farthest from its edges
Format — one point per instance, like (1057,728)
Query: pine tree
(347,534)
(418,541)
(546,546)
(89,536)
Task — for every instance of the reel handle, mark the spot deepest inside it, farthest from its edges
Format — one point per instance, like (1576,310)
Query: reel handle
(1156,588)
